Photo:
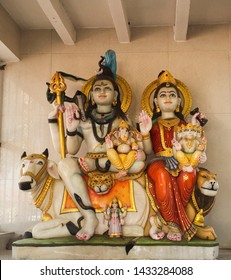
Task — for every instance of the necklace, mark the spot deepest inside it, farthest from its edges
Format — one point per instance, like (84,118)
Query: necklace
(168,123)
(189,143)
(49,184)
(104,117)
(194,200)
(105,120)
(97,137)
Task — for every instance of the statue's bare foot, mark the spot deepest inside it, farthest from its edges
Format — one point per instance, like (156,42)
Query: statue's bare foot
(83,164)
(120,174)
(174,236)
(88,229)
(187,168)
(158,236)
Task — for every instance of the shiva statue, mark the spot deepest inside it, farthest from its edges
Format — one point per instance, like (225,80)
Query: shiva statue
(102,113)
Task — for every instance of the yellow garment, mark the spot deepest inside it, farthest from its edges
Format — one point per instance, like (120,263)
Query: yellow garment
(121,161)
(188,159)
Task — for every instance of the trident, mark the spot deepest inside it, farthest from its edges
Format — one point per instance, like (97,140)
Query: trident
(58,86)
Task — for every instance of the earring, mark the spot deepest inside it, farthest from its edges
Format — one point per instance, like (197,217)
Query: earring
(92,102)
(178,108)
(114,103)
(157,108)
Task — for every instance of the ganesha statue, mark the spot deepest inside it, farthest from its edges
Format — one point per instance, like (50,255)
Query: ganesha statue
(161,195)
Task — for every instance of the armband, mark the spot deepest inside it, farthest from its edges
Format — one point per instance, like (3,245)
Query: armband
(52,120)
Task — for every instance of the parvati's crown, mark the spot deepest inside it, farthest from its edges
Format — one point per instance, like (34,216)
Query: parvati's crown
(166,77)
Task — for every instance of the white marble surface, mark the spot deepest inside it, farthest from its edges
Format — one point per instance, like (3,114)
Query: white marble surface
(115,253)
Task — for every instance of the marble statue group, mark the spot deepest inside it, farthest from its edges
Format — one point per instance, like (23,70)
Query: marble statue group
(135,179)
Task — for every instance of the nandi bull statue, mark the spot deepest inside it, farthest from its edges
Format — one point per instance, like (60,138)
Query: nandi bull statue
(40,177)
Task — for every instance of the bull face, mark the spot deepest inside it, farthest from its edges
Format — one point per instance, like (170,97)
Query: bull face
(33,168)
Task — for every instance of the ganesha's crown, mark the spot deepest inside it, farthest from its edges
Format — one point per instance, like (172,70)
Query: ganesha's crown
(189,126)
(166,77)
(123,124)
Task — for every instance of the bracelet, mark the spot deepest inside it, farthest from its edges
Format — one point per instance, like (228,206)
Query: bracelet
(71,133)
(146,136)
(52,120)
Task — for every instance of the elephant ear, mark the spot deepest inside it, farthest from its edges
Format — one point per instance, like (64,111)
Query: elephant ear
(52,169)
(23,155)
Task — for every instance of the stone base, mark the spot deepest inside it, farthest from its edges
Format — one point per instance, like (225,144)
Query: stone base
(105,248)
(5,238)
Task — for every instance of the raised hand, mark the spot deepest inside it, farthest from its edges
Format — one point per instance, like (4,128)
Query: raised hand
(203,158)
(57,108)
(72,117)
(145,122)
(194,120)
(176,144)
(108,141)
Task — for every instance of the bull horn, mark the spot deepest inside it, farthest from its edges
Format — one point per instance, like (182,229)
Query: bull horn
(23,155)
(46,153)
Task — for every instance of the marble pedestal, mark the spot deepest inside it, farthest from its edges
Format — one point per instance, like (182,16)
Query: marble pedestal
(105,248)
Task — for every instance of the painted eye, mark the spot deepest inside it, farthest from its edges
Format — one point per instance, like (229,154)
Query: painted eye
(23,165)
(40,162)
(172,94)
(108,88)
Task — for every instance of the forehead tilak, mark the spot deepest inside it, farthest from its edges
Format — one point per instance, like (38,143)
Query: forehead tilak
(102,83)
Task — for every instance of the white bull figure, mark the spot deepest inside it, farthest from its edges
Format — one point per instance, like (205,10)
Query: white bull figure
(40,177)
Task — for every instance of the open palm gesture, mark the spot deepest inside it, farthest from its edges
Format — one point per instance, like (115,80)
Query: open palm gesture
(72,117)
(145,122)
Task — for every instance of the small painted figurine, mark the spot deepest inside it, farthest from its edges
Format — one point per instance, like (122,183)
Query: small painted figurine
(123,144)
(188,146)
(115,216)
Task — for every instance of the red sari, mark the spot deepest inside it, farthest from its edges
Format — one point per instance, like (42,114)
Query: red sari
(170,191)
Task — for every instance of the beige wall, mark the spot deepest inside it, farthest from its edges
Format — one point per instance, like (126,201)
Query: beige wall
(202,63)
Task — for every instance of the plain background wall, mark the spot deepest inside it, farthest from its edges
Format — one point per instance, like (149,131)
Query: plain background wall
(202,63)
